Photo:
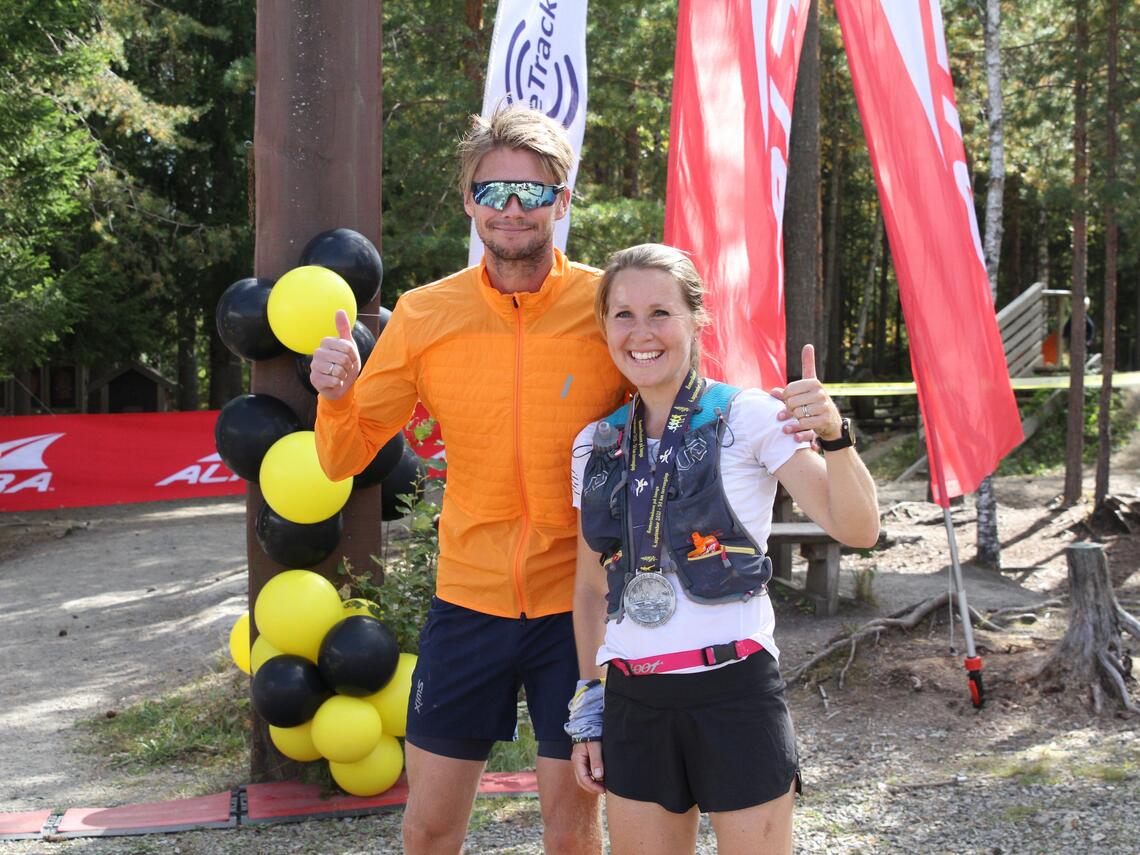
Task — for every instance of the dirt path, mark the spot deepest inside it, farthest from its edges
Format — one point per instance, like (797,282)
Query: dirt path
(103,607)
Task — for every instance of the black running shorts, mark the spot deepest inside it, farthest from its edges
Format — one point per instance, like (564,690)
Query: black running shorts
(720,739)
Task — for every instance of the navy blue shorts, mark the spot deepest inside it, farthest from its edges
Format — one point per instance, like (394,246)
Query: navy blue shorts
(465,686)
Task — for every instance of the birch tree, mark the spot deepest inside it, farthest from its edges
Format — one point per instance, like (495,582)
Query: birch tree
(989,543)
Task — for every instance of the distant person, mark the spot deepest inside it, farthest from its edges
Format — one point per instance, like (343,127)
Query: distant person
(1090,330)
(508,358)
(680,708)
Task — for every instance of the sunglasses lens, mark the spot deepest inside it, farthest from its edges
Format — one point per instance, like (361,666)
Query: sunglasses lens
(531,194)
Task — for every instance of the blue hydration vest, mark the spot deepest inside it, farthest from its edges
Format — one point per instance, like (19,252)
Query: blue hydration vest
(696,504)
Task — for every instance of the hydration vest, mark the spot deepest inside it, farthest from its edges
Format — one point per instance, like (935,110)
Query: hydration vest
(729,567)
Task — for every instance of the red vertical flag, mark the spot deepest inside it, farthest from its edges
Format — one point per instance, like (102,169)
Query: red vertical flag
(734,79)
(897,54)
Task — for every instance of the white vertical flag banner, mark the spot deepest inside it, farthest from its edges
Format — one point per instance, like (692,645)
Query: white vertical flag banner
(538,57)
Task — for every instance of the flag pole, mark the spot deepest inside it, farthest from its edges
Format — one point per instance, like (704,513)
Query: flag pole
(973,662)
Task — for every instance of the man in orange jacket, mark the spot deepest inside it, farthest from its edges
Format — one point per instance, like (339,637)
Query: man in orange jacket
(507,356)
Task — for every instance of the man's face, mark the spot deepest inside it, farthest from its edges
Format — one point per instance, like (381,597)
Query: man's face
(514,234)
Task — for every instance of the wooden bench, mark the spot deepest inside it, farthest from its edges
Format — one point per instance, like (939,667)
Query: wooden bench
(816,545)
(822,554)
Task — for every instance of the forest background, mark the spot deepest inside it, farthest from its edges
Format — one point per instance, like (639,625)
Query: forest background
(126,171)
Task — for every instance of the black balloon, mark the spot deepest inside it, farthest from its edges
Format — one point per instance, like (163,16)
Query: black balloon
(297,545)
(243,322)
(365,343)
(382,465)
(350,254)
(406,478)
(287,690)
(247,426)
(358,656)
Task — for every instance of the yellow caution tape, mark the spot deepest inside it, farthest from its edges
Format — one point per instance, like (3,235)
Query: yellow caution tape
(1124,380)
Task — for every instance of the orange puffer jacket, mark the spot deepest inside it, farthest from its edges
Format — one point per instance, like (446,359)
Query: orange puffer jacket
(511,379)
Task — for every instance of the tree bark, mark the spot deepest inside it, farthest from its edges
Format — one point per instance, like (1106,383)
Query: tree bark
(1074,436)
(187,358)
(317,142)
(832,283)
(803,286)
(1091,655)
(868,292)
(1108,341)
(989,543)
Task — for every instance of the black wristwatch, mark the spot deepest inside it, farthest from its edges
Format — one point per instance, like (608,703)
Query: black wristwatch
(846,439)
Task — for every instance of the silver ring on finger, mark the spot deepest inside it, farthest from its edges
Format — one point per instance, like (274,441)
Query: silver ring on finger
(804,411)
(331,369)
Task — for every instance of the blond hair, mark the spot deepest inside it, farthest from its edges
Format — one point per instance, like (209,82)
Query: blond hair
(658,256)
(518,127)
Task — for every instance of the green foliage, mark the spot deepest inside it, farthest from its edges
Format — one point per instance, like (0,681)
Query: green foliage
(1045,450)
(408,570)
(636,220)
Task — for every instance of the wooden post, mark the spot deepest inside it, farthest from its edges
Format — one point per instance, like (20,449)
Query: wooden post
(317,147)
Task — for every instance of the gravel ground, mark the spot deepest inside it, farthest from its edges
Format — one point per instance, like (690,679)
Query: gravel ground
(894,757)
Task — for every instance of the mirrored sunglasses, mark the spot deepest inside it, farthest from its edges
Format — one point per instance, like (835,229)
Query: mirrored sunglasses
(531,194)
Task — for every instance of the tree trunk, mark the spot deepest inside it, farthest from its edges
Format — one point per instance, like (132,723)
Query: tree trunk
(989,544)
(802,268)
(1108,342)
(1074,437)
(832,284)
(187,359)
(318,145)
(868,293)
(1091,655)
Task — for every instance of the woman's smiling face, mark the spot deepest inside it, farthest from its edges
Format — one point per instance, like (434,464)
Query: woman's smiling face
(649,329)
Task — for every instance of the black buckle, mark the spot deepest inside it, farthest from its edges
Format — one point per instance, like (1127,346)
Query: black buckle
(720,653)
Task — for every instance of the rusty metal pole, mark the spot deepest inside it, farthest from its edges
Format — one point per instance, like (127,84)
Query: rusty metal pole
(317,147)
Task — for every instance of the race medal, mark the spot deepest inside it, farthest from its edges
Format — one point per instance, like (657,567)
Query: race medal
(649,599)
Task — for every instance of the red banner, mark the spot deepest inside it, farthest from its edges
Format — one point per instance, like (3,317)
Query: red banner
(897,55)
(733,83)
(71,461)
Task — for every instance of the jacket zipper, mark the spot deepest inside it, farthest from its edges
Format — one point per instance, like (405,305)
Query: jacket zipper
(520,556)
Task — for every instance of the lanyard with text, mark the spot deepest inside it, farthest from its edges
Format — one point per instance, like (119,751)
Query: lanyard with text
(649,484)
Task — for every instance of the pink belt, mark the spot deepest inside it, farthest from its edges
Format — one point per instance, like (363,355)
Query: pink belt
(702,657)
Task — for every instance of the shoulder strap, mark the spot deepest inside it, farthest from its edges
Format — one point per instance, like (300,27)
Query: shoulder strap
(717,397)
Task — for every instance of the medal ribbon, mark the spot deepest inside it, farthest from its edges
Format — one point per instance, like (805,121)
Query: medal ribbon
(648,484)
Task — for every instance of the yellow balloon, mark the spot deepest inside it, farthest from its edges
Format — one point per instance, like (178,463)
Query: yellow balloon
(375,773)
(303,305)
(296,743)
(295,609)
(261,652)
(239,642)
(346,729)
(294,484)
(392,700)
(359,606)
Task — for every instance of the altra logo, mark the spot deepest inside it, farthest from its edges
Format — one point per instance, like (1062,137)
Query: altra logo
(25,455)
(535,74)
(208,470)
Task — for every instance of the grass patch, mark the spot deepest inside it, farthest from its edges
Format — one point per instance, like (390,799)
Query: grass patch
(1019,813)
(205,724)
(1109,773)
(518,755)
(1041,766)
